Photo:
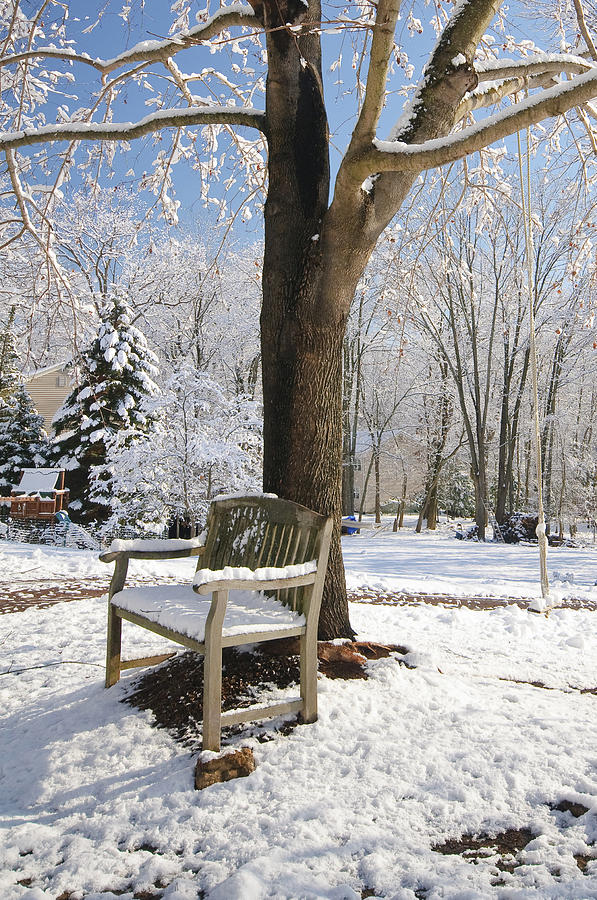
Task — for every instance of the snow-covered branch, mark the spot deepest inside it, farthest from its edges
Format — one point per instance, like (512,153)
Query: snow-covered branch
(126,131)
(238,14)
(538,64)
(396,156)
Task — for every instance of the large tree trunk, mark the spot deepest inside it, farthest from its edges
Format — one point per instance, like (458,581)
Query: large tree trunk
(301,330)
(314,256)
(479,479)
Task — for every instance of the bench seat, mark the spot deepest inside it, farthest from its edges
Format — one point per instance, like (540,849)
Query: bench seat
(178,608)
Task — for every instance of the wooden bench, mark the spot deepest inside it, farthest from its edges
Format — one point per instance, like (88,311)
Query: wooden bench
(272,555)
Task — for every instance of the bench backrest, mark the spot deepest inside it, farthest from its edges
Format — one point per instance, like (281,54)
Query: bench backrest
(260,531)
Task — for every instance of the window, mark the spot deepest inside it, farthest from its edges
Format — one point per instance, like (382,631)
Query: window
(61,381)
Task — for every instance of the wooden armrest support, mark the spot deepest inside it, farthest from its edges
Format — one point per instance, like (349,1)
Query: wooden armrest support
(254,584)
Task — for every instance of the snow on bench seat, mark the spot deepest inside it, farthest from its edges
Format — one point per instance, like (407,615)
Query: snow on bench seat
(178,608)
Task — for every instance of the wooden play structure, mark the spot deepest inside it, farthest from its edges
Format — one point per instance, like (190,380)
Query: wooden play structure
(40,494)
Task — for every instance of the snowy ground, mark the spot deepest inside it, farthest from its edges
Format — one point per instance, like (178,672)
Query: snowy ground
(96,804)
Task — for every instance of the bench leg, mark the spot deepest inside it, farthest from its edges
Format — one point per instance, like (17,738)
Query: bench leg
(113,647)
(308,646)
(212,696)
(212,672)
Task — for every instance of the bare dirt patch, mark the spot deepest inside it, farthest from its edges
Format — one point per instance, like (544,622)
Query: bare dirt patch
(41,593)
(506,846)
(479,603)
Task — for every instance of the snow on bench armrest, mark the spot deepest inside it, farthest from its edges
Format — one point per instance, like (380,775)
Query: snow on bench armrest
(242,573)
(159,544)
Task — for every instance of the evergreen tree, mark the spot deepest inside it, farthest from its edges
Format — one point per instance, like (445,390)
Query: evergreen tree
(23,441)
(115,374)
(9,360)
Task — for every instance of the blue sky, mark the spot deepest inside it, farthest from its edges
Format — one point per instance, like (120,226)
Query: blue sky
(111,36)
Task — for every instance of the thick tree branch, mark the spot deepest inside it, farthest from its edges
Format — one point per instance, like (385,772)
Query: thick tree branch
(395,156)
(540,71)
(539,64)
(382,43)
(126,131)
(493,94)
(53,53)
(151,51)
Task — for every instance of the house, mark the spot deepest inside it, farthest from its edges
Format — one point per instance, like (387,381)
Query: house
(40,494)
(49,388)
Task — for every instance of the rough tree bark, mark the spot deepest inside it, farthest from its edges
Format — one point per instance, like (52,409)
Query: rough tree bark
(314,256)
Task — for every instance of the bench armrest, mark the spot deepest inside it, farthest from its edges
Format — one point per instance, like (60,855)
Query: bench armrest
(175,548)
(230,578)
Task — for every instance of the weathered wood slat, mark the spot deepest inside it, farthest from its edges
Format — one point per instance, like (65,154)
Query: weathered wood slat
(144,622)
(145,661)
(111,555)
(254,713)
(255,584)
(258,637)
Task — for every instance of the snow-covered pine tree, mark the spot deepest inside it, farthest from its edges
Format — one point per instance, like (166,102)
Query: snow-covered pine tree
(23,441)
(115,374)
(9,359)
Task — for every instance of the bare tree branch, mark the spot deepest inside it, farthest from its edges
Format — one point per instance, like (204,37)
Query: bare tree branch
(382,43)
(582,24)
(126,131)
(490,96)
(151,51)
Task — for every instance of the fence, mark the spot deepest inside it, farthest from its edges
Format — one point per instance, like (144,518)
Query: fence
(67,534)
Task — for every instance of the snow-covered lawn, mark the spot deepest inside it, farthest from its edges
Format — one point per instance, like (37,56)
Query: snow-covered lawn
(95,803)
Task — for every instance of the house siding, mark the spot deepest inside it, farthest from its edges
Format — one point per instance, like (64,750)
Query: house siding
(48,393)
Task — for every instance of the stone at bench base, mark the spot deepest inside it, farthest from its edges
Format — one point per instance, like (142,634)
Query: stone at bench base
(238,764)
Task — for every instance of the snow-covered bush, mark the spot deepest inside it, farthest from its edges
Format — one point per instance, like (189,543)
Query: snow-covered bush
(456,493)
(114,377)
(202,443)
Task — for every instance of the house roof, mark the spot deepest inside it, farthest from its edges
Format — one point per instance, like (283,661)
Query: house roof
(57,367)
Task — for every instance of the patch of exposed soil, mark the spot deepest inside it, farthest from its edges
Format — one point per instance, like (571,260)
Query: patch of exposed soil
(174,690)
(479,603)
(15,598)
(408,598)
(506,845)
(41,593)
(575,809)
(535,684)
(583,861)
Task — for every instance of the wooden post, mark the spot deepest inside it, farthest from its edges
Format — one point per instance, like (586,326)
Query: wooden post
(308,648)
(114,641)
(113,647)
(212,672)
